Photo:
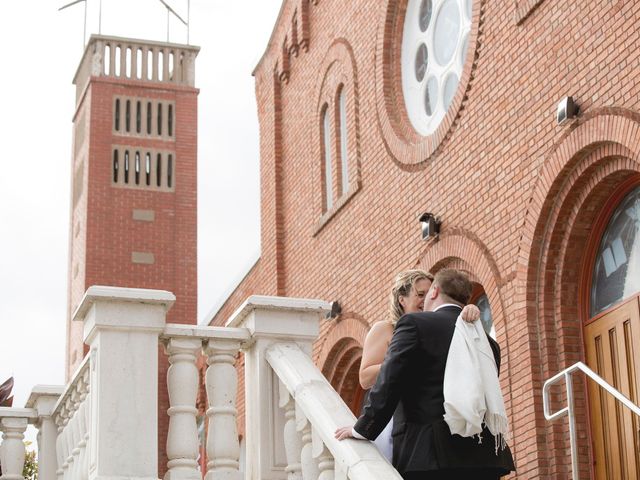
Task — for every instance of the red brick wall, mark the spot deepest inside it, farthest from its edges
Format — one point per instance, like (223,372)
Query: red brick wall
(104,215)
(516,192)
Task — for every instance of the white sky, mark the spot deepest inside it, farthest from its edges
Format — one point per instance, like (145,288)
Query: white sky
(41,49)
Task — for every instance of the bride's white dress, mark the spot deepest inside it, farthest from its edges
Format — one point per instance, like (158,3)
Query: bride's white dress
(383,442)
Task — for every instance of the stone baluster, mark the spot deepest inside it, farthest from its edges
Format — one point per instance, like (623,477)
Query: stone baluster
(223,448)
(165,65)
(60,456)
(182,381)
(83,389)
(123,61)
(112,60)
(75,433)
(323,456)
(64,444)
(69,438)
(145,63)
(292,443)
(134,61)
(87,434)
(12,450)
(309,464)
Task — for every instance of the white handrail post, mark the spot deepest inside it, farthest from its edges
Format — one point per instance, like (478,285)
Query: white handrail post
(43,398)
(121,327)
(271,320)
(572,426)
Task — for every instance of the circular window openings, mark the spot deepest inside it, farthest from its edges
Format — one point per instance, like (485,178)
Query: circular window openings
(434,48)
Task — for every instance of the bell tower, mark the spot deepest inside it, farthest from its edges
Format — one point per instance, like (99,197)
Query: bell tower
(133,209)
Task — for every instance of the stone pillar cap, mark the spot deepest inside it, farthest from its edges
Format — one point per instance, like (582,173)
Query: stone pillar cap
(265,302)
(40,391)
(119,294)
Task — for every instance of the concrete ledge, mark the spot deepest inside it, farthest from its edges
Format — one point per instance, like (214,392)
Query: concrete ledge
(285,304)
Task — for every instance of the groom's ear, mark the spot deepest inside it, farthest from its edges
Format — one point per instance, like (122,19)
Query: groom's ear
(434,291)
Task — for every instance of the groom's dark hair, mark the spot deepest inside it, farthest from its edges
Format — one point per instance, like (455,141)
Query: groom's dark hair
(454,284)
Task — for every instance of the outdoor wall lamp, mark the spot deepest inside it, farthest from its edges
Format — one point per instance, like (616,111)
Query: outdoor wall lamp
(567,109)
(335,311)
(430,225)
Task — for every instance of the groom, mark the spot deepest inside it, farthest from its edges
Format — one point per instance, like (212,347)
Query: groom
(411,379)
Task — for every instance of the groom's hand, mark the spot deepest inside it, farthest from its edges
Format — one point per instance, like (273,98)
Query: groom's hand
(470,313)
(344,432)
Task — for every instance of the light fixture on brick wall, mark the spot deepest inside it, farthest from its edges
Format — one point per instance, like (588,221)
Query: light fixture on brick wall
(430,225)
(567,109)
(335,311)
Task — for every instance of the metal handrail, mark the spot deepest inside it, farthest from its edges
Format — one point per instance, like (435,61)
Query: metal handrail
(569,409)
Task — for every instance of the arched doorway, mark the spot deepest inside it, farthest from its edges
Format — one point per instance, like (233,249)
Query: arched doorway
(340,355)
(611,313)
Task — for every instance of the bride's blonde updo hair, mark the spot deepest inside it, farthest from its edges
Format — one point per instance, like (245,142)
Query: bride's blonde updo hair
(402,286)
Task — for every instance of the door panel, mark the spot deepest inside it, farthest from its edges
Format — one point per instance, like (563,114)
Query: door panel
(612,344)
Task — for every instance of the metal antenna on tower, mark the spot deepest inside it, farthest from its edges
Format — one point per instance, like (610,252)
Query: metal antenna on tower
(84,31)
(171,10)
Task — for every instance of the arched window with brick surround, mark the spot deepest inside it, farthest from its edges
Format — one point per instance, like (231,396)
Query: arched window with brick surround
(337,146)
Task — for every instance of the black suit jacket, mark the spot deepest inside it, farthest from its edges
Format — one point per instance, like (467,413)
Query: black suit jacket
(411,378)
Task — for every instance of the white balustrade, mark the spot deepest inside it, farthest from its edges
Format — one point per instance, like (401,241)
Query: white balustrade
(127,58)
(104,424)
(182,381)
(221,347)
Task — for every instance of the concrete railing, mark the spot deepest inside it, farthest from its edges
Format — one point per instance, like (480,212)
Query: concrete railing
(133,59)
(104,423)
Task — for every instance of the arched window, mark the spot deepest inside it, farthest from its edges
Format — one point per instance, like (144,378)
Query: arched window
(616,273)
(326,140)
(344,159)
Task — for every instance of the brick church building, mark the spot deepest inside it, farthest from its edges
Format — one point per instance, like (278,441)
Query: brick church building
(373,112)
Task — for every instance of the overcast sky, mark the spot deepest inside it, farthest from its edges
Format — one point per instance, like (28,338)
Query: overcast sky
(41,50)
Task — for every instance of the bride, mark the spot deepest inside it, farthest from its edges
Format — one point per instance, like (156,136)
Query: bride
(407,296)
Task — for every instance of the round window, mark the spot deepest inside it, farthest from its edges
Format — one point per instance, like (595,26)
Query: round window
(616,274)
(434,46)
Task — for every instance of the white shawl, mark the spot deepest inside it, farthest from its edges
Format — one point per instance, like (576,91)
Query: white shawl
(472,394)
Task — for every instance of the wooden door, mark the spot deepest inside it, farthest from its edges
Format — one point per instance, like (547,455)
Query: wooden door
(612,344)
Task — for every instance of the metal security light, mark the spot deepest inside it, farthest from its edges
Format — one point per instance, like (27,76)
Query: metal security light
(430,225)
(335,311)
(567,109)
